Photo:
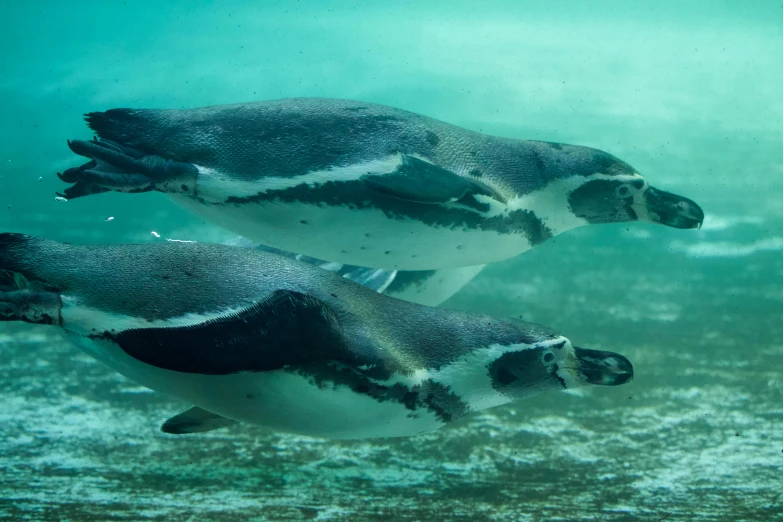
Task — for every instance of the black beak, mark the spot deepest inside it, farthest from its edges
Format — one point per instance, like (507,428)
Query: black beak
(672,210)
(603,368)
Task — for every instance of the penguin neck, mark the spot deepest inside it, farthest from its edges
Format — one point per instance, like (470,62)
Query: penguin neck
(456,349)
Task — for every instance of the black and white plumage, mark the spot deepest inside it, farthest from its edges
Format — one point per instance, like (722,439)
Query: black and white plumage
(365,184)
(249,336)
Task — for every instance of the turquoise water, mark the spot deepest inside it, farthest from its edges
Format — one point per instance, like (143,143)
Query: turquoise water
(687,92)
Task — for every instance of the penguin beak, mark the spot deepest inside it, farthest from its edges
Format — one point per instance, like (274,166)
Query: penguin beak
(672,210)
(603,368)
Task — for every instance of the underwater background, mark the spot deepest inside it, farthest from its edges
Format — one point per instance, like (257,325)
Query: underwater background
(689,93)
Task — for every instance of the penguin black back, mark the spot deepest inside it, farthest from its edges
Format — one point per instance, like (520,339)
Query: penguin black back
(287,137)
(170,281)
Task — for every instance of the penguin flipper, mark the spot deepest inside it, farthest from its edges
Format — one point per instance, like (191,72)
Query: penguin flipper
(123,169)
(423,182)
(195,420)
(282,329)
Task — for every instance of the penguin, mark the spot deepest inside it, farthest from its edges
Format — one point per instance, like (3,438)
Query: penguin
(364,184)
(427,287)
(254,337)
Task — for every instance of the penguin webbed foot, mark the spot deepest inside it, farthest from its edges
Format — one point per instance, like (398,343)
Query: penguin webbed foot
(195,420)
(115,167)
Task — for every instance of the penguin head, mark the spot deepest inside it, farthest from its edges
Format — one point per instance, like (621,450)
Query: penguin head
(556,365)
(611,191)
(606,200)
(599,367)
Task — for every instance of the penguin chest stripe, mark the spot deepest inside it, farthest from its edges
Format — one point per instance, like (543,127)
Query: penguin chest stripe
(216,186)
(466,214)
(285,329)
(415,395)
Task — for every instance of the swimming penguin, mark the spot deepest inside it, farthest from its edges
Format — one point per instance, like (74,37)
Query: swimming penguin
(427,287)
(365,184)
(250,336)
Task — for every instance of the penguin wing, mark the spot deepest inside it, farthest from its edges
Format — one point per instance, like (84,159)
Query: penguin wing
(423,182)
(286,328)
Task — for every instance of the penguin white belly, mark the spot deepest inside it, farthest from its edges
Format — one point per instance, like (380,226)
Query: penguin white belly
(279,400)
(290,402)
(365,237)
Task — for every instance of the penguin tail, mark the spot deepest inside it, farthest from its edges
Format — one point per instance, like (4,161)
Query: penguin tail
(23,259)
(13,248)
(131,127)
(22,298)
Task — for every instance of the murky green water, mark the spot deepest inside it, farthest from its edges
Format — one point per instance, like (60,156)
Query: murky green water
(688,94)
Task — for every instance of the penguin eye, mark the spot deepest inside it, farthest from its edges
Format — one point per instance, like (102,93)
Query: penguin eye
(623,191)
(548,357)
